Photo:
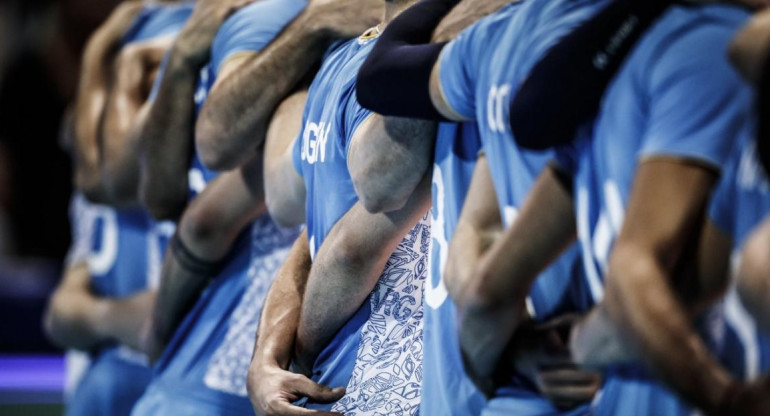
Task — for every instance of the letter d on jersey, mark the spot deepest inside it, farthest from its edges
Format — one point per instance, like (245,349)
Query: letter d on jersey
(314,142)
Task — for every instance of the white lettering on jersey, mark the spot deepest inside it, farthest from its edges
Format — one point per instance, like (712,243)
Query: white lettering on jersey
(314,139)
(597,246)
(751,175)
(436,296)
(101,262)
(196,181)
(496,101)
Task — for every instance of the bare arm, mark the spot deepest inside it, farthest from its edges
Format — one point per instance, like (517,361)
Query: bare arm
(95,81)
(750,47)
(272,388)
(492,303)
(753,282)
(76,318)
(135,68)
(284,187)
(596,343)
(208,229)
(479,226)
(388,158)
(347,267)
(463,15)
(166,131)
(640,297)
(236,117)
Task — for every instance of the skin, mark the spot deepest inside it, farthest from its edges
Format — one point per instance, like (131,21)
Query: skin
(752,281)
(490,302)
(285,190)
(749,48)
(135,69)
(166,132)
(208,229)
(95,83)
(235,119)
(76,318)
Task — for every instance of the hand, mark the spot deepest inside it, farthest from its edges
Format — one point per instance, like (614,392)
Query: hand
(194,41)
(344,19)
(463,15)
(273,389)
(542,353)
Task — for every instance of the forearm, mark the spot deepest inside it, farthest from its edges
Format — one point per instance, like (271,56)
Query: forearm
(234,120)
(89,107)
(73,320)
(166,136)
(280,315)
(639,299)
(124,318)
(491,307)
(347,268)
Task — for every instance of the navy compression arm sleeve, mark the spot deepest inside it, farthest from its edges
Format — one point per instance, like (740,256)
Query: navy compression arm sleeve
(395,78)
(565,88)
(763,111)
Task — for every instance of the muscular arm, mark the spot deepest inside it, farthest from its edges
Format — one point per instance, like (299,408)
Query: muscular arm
(387,159)
(491,306)
(478,228)
(235,118)
(595,342)
(135,68)
(284,187)
(640,298)
(347,267)
(208,229)
(76,318)
(95,80)
(271,386)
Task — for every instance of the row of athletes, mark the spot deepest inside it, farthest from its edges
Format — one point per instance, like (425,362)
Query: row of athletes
(532,207)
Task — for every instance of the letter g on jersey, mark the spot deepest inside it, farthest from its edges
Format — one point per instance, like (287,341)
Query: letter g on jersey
(314,142)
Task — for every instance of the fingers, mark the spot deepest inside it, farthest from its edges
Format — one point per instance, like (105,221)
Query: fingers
(287,409)
(567,387)
(322,394)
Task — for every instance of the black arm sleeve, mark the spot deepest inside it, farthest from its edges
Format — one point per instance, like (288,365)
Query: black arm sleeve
(565,88)
(763,111)
(395,78)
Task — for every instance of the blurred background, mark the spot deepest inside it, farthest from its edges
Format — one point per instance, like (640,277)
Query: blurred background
(40,47)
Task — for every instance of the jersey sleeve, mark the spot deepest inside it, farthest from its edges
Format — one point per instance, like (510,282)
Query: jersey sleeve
(697,103)
(352,118)
(458,70)
(252,28)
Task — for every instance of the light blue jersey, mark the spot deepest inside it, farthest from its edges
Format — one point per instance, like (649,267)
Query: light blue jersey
(125,248)
(203,369)
(378,353)
(741,203)
(479,71)
(446,389)
(675,97)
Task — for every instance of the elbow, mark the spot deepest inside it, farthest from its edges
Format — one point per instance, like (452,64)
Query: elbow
(374,194)
(201,226)
(214,143)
